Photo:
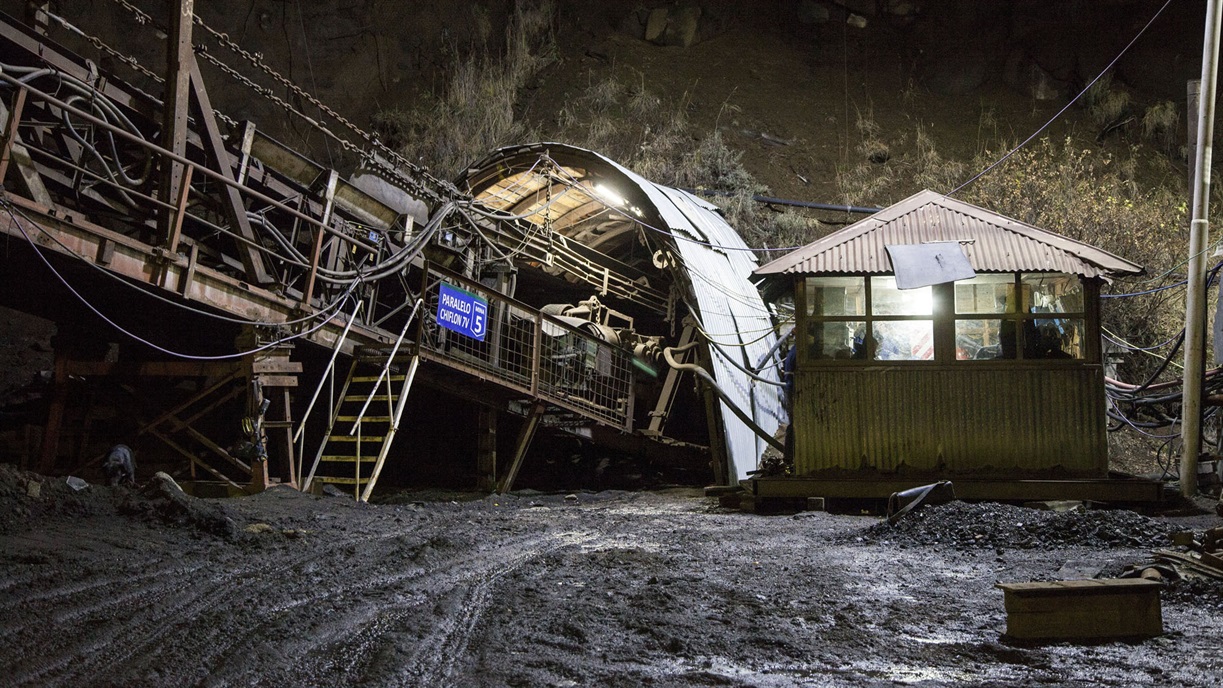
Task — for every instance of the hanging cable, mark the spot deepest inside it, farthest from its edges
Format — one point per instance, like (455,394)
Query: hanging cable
(1073,100)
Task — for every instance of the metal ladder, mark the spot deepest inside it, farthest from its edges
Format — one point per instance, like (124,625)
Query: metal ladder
(365,421)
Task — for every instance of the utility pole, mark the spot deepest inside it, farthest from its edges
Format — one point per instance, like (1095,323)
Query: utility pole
(1195,291)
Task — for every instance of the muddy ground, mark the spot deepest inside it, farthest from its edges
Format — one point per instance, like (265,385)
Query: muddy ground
(117,587)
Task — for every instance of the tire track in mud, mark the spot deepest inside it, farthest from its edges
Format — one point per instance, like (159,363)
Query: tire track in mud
(369,642)
(208,604)
(434,657)
(130,633)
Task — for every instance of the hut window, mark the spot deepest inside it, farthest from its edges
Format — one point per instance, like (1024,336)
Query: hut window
(991,323)
(836,296)
(868,319)
(902,327)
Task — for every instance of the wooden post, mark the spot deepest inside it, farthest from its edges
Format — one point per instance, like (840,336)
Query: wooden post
(486,449)
(55,414)
(174,117)
(520,448)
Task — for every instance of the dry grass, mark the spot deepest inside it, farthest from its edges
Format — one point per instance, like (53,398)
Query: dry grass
(476,114)
(1161,125)
(1105,104)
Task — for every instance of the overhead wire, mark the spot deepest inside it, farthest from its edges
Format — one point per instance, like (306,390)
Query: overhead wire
(1066,107)
(15,212)
(157,347)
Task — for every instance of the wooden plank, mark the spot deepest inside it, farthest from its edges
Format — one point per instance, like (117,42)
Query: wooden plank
(1192,562)
(231,200)
(276,365)
(1106,608)
(1062,587)
(277,380)
(151,368)
(1017,488)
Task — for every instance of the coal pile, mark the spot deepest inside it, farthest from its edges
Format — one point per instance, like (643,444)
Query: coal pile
(1204,593)
(1002,526)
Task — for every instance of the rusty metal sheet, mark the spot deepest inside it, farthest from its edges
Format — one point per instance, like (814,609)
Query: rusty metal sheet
(949,419)
(999,243)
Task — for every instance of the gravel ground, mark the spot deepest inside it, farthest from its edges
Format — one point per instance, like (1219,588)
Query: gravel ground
(115,587)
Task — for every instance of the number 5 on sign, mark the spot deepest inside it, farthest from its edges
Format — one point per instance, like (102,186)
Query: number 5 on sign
(462,311)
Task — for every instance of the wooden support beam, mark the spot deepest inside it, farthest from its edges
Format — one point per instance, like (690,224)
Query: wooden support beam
(232,205)
(285,424)
(486,449)
(186,404)
(520,447)
(177,95)
(194,461)
(55,413)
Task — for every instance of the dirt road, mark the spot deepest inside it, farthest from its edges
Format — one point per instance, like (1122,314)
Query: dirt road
(107,587)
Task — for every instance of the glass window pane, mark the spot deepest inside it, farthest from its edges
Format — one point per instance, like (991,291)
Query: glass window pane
(982,340)
(836,296)
(904,340)
(1048,338)
(886,299)
(842,340)
(986,294)
(1052,293)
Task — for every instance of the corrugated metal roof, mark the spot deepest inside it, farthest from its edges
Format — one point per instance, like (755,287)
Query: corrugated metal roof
(715,263)
(998,243)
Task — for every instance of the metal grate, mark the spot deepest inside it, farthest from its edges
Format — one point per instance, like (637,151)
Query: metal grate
(535,353)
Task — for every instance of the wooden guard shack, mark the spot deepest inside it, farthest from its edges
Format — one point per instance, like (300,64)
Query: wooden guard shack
(992,379)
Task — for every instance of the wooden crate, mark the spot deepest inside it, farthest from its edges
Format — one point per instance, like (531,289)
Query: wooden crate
(1083,609)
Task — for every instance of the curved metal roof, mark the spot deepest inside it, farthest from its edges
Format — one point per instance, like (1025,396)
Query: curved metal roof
(992,243)
(591,199)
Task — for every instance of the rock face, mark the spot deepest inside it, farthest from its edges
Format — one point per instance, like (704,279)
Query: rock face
(674,26)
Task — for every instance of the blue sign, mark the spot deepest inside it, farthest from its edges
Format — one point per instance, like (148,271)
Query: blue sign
(462,311)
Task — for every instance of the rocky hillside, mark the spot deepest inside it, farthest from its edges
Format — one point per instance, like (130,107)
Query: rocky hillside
(806,89)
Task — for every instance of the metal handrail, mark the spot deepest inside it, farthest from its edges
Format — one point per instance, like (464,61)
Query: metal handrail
(215,176)
(328,373)
(386,367)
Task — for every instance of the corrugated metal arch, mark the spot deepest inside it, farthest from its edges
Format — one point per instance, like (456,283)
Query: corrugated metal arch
(713,269)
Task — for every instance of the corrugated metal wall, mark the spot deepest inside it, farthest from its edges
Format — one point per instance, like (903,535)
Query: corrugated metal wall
(953,419)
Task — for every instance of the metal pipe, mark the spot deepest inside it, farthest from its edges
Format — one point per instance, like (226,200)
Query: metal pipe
(216,176)
(339,344)
(713,385)
(1199,233)
(788,201)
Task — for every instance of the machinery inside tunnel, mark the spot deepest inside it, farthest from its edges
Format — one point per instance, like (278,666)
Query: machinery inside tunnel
(547,285)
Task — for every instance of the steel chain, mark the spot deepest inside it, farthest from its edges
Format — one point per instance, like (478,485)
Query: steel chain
(97,43)
(413,181)
(256,59)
